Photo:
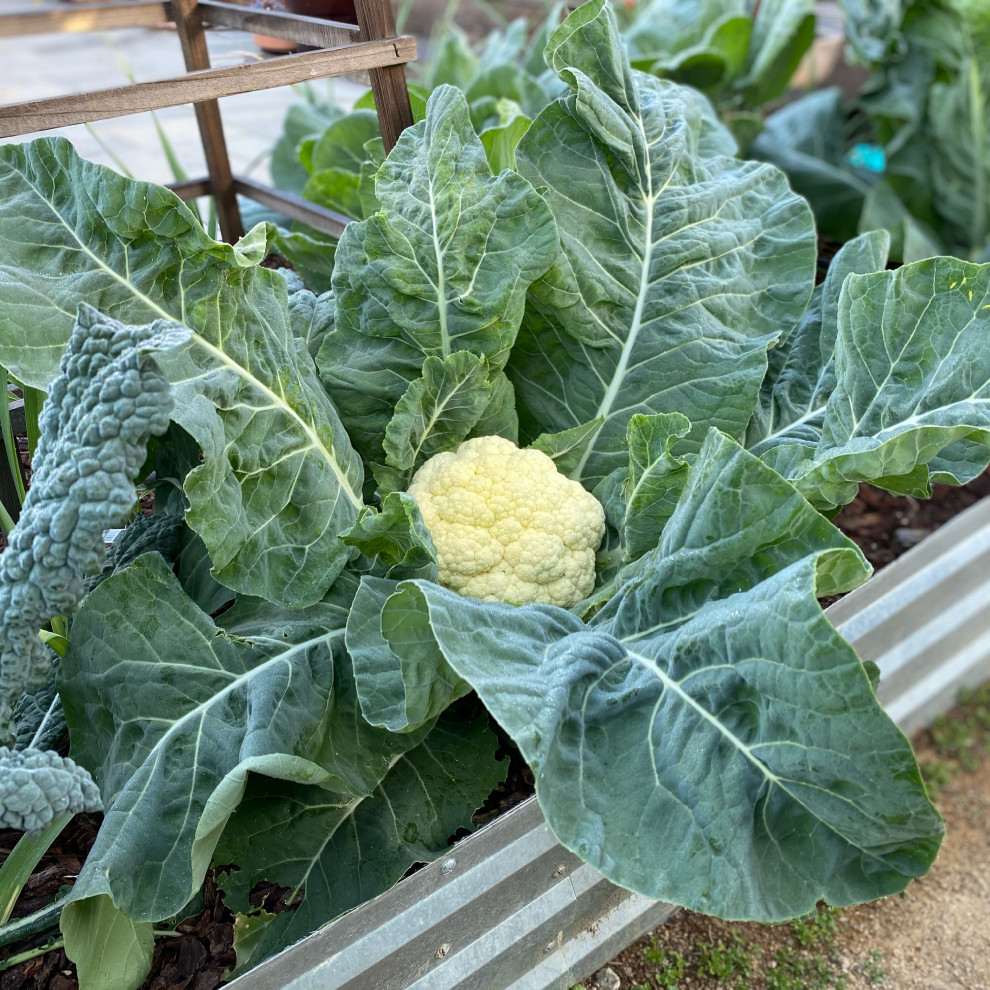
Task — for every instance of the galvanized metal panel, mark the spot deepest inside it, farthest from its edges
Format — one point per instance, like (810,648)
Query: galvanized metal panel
(510,909)
(925,620)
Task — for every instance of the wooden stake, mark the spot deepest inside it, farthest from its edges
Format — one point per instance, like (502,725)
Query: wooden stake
(189,23)
(376,20)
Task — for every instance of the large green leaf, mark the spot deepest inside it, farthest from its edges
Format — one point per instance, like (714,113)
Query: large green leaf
(279,480)
(713,63)
(302,120)
(396,537)
(801,375)
(783,31)
(708,739)
(501,139)
(338,852)
(442,268)
(912,378)
(672,26)
(911,239)
(439,410)
(654,480)
(401,676)
(110,951)
(678,268)
(170,712)
(341,145)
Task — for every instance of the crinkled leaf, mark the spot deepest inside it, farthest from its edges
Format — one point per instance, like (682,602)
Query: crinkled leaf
(110,397)
(39,718)
(912,377)
(160,533)
(338,853)
(713,743)
(279,480)
(443,268)
(678,270)
(397,537)
(38,787)
(439,410)
(171,724)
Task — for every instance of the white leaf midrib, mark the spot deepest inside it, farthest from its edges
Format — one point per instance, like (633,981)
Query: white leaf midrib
(221,356)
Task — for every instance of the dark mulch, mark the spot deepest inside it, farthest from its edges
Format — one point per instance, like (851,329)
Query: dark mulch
(884,526)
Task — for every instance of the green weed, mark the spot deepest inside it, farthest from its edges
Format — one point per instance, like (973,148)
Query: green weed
(872,969)
(723,961)
(672,966)
(820,928)
(791,971)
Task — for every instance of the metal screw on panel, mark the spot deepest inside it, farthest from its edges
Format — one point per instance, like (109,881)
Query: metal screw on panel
(448,867)
(442,951)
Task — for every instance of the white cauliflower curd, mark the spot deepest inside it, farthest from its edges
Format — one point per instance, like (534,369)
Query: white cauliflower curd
(507,525)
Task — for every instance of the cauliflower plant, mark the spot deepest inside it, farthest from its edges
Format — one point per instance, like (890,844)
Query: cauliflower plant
(507,525)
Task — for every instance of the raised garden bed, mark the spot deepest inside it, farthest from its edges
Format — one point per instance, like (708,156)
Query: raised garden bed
(696,729)
(510,909)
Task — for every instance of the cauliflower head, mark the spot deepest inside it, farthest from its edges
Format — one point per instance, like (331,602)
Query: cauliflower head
(507,525)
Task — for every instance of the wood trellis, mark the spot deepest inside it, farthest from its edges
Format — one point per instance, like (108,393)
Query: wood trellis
(366,39)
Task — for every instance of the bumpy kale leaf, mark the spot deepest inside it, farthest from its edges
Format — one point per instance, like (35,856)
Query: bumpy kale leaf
(110,397)
(36,787)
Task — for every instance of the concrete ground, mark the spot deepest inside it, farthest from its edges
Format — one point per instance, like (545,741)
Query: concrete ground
(42,66)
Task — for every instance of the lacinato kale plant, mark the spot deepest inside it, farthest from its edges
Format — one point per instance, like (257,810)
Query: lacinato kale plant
(109,398)
(283,684)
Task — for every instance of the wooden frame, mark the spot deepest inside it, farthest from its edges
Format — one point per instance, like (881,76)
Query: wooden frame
(369,43)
